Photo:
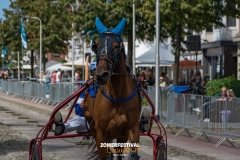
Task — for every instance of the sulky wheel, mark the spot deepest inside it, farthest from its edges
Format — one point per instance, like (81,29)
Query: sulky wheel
(161,153)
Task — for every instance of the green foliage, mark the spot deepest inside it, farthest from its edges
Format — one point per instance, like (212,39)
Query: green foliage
(214,86)
(144,102)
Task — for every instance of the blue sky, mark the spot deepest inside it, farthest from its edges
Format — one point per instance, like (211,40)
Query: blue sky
(3,4)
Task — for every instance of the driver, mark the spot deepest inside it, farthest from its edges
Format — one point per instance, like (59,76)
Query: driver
(78,123)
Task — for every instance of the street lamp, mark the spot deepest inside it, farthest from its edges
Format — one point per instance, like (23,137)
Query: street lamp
(56,2)
(40,65)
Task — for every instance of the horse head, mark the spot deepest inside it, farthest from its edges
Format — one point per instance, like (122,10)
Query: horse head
(108,49)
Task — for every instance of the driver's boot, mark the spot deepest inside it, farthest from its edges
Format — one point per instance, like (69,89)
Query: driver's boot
(59,125)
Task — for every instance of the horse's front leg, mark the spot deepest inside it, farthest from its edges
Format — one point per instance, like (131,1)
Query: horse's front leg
(123,139)
(133,137)
(101,146)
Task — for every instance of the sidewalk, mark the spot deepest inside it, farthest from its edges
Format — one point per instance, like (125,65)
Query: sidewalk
(200,147)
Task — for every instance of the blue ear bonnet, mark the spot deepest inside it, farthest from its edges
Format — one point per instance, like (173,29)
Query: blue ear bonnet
(107,38)
(117,30)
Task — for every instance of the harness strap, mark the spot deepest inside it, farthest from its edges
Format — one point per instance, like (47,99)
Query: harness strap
(119,100)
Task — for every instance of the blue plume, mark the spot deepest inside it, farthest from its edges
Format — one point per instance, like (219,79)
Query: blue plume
(100,27)
(120,27)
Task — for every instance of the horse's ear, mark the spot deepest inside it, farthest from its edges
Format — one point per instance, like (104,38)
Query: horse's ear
(100,27)
(120,27)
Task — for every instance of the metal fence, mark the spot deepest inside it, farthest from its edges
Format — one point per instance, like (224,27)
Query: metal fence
(212,117)
(40,92)
(206,115)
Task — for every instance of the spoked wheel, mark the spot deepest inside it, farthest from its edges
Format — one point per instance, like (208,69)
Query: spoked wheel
(34,155)
(161,153)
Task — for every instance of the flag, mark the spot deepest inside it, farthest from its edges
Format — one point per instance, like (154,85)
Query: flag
(4,51)
(23,35)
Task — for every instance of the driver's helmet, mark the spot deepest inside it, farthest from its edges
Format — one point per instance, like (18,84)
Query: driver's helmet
(92,67)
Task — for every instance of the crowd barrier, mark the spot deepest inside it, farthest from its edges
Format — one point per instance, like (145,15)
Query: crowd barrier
(162,103)
(215,116)
(39,91)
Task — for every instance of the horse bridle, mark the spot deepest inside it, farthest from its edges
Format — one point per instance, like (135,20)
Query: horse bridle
(106,50)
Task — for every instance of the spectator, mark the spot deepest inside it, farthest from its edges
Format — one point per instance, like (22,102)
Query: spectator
(44,77)
(144,71)
(58,76)
(165,78)
(47,80)
(150,79)
(65,76)
(77,75)
(230,94)
(161,82)
(48,77)
(142,76)
(223,95)
(5,75)
(21,75)
(36,75)
(207,106)
(54,77)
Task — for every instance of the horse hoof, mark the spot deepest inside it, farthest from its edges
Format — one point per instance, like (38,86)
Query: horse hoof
(133,156)
(109,157)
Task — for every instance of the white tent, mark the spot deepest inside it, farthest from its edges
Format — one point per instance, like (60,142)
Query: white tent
(57,66)
(78,63)
(50,63)
(166,57)
(143,47)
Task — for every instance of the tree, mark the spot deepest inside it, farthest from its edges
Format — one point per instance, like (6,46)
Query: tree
(56,26)
(179,16)
(110,13)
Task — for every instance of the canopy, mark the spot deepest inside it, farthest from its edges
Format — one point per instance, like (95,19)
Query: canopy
(166,57)
(179,89)
(143,47)
(188,63)
(50,63)
(57,66)
(77,63)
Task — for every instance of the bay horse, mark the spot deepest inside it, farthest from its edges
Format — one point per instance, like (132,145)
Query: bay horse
(117,106)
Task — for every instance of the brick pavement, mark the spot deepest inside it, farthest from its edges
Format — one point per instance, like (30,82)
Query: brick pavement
(199,147)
